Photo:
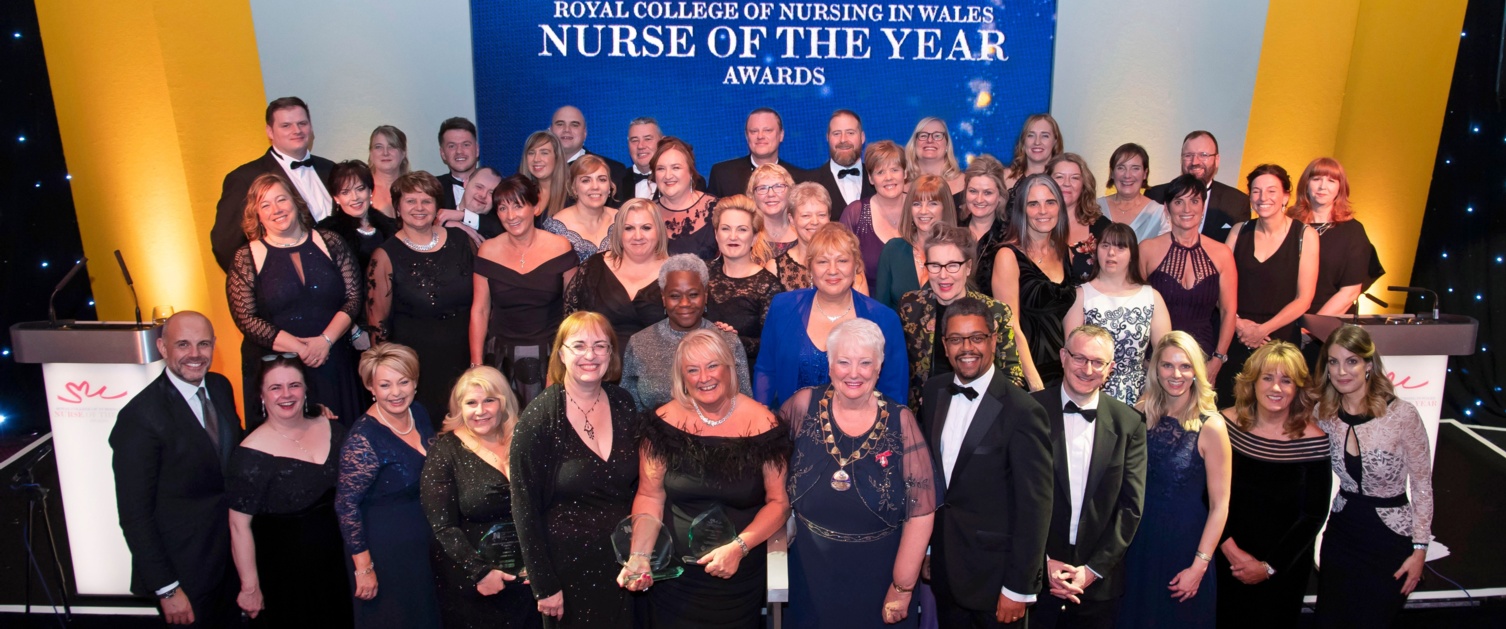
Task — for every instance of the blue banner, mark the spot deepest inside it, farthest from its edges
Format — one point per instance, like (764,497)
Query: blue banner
(700,67)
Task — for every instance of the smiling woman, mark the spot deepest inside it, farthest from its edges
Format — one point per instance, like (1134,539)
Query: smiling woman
(646,372)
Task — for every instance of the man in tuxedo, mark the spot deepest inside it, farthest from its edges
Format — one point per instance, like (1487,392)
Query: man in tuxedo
(643,140)
(569,125)
(994,452)
(171,444)
(1098,445)
(459,150)
(291,132)
(1225,205)
(474,214)
(842,174)
(764,130)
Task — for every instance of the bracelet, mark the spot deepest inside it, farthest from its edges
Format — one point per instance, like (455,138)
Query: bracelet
(643,555)
(326,338)
(901,590)
(1419,546)
(369,569)
(1203,556)
(742,544)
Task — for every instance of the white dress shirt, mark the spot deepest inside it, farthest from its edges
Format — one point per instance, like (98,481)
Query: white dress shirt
(644,189)
(851,187)
(190,394)
(309,186)
(578,154)
(1078,433)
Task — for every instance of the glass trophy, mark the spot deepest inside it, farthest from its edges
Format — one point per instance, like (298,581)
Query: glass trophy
(709,531)
(643,544)
(500,547)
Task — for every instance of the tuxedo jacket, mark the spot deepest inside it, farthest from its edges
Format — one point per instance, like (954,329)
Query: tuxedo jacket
(990,531)
(447,200)
(1114,494)
(731,177)
(821,174)
(170,488)
(226,236)
(618,172)
(1227,207)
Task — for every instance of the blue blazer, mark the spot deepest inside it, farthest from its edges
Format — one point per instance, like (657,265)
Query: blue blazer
(776,372)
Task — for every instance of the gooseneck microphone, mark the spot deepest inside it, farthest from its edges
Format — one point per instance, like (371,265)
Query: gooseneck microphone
(1420,291)
(129,284)
(52,313)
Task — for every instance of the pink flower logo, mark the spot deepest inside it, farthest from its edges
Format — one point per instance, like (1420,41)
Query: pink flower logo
(78,391)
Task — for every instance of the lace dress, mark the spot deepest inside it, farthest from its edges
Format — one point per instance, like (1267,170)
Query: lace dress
(793,275)
(1193,309)
(583,248)
(1172,527)
(298,290)
(684,237)
(741,302)
(1128,320)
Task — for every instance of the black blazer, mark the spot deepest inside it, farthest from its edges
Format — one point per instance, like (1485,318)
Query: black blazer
(990,531)
(1114,495)
(226,236)
(1227,207)
(446,200)
(821,174)
(625,186)
(731,177)
(618,172)
(170,488)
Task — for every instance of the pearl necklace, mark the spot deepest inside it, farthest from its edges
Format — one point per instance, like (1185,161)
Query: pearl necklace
(710,422)
(401,433)
(433,242)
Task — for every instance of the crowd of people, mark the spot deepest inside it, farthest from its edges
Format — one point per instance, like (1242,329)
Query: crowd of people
(979,396)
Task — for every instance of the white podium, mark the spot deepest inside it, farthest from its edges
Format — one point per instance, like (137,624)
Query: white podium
(91,369)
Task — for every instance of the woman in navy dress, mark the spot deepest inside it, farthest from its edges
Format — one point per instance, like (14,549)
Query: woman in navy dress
(377,497)
(1169,582)
(294,289)
(792,353)
(1194,274)
(864,492)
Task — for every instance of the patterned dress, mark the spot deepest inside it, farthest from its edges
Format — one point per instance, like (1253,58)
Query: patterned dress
(920,314)
(1128,319)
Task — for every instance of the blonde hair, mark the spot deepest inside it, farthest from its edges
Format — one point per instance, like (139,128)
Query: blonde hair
(952,169)
(701,344)
(834,237)
(1020,164)
(742,203)
(1378,388)
(809,192)
(399,358)
(1275,356)
(558,179)
(586,165)
(771,171)
(578,322)
(619,223)
(926,188)
(251,218)
(1202,401)
(492,384)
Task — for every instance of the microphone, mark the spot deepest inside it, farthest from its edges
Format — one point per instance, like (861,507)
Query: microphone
(1377,300)
(129,284)
(1419,291)
(52,313)
(1356,318)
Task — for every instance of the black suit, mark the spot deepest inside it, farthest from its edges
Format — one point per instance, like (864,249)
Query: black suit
(447,183)
(731,177)
(990,531)
(626,186)
(1111,509)
(1227,207)
(821,174)
(617,172)
(170,490)
(226,236)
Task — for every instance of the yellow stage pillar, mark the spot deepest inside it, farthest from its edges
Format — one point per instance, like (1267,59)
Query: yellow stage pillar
(156,101)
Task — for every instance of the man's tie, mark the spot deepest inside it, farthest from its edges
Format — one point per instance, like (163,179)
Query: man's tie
(1089,414)
(848,172)
(967,392)
(211,420)
(637,177)
(296,165)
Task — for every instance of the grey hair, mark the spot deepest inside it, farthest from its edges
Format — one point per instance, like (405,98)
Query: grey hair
(866,334)
(643,120)
(684,262)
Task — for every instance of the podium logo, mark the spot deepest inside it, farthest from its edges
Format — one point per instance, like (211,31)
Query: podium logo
(1405,382)
(79,391)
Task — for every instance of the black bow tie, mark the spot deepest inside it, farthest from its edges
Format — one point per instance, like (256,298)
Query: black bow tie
(1089,414)
(967,392)
(848,172)
(307,162)
(637,177)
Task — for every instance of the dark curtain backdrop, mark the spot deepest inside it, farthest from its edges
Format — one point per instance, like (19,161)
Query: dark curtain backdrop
(39,236)
(1461,252)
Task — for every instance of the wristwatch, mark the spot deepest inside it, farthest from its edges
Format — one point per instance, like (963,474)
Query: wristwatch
(1269,571)
(1223,357)
(169,594)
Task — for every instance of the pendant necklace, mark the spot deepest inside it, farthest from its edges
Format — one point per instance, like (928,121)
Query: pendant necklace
(590,430)
(710,422)
(295,441)
(841,480)
(831,318)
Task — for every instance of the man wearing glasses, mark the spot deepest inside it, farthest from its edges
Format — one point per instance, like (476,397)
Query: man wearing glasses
(1225,205)
(765,132)
(1099,452)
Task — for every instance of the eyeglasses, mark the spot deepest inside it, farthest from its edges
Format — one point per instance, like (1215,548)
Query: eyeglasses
(951,267)
(601,347)
(1079,360)
(1187,157)
(778,187)
(956,340)
(934,136)
(271,357)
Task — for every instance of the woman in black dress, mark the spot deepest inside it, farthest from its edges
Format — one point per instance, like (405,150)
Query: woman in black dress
(419,288)
(574,470)
(1377,538)
(294,289)
(353,219)
(1278,493)
(467,496)
(621,283)
(1347,262)
(742,280)
(684,206)
(1195,274)
(520,284)
(1032,273)
(1277,260)
(1080,194)
(281,489)
(985,213)
(711,450)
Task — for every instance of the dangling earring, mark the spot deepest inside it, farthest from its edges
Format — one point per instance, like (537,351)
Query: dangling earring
(263,409)
(308,408)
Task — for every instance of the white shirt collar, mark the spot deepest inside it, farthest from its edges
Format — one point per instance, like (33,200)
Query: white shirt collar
(1092,402)
(281,158)
(835,168)
(980,384)
(577,155)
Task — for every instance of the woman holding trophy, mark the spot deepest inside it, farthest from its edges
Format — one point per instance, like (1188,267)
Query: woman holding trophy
(712,465)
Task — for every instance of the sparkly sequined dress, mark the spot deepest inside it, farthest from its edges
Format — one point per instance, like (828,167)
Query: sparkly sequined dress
(431,312)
